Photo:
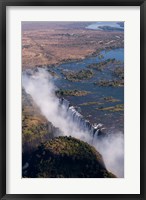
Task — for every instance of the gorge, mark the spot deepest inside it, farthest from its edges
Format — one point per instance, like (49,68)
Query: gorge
(39,84)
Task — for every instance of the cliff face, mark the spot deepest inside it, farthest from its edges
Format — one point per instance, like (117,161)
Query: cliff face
(35,127)
(46,155)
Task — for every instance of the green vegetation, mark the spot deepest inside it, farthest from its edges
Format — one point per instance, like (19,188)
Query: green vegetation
(62,92)
(116,108)
(100,56)
(78,75)
(67,157)
(101,65)
(35,127)
(53,73)
(110,83)
(119,72)
(91,103)
(110,99)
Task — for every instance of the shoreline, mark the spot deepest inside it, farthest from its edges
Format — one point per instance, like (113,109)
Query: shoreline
(67,61)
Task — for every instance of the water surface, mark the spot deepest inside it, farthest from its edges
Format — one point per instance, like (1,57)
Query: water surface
(113,121)
(98,25)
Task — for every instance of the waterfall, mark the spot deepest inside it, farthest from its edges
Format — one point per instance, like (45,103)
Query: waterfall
(58,110)
(94,130)
(39,84)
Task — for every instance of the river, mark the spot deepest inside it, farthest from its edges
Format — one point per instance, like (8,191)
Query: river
(113,121)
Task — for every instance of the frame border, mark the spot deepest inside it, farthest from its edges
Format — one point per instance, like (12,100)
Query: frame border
(3,5)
